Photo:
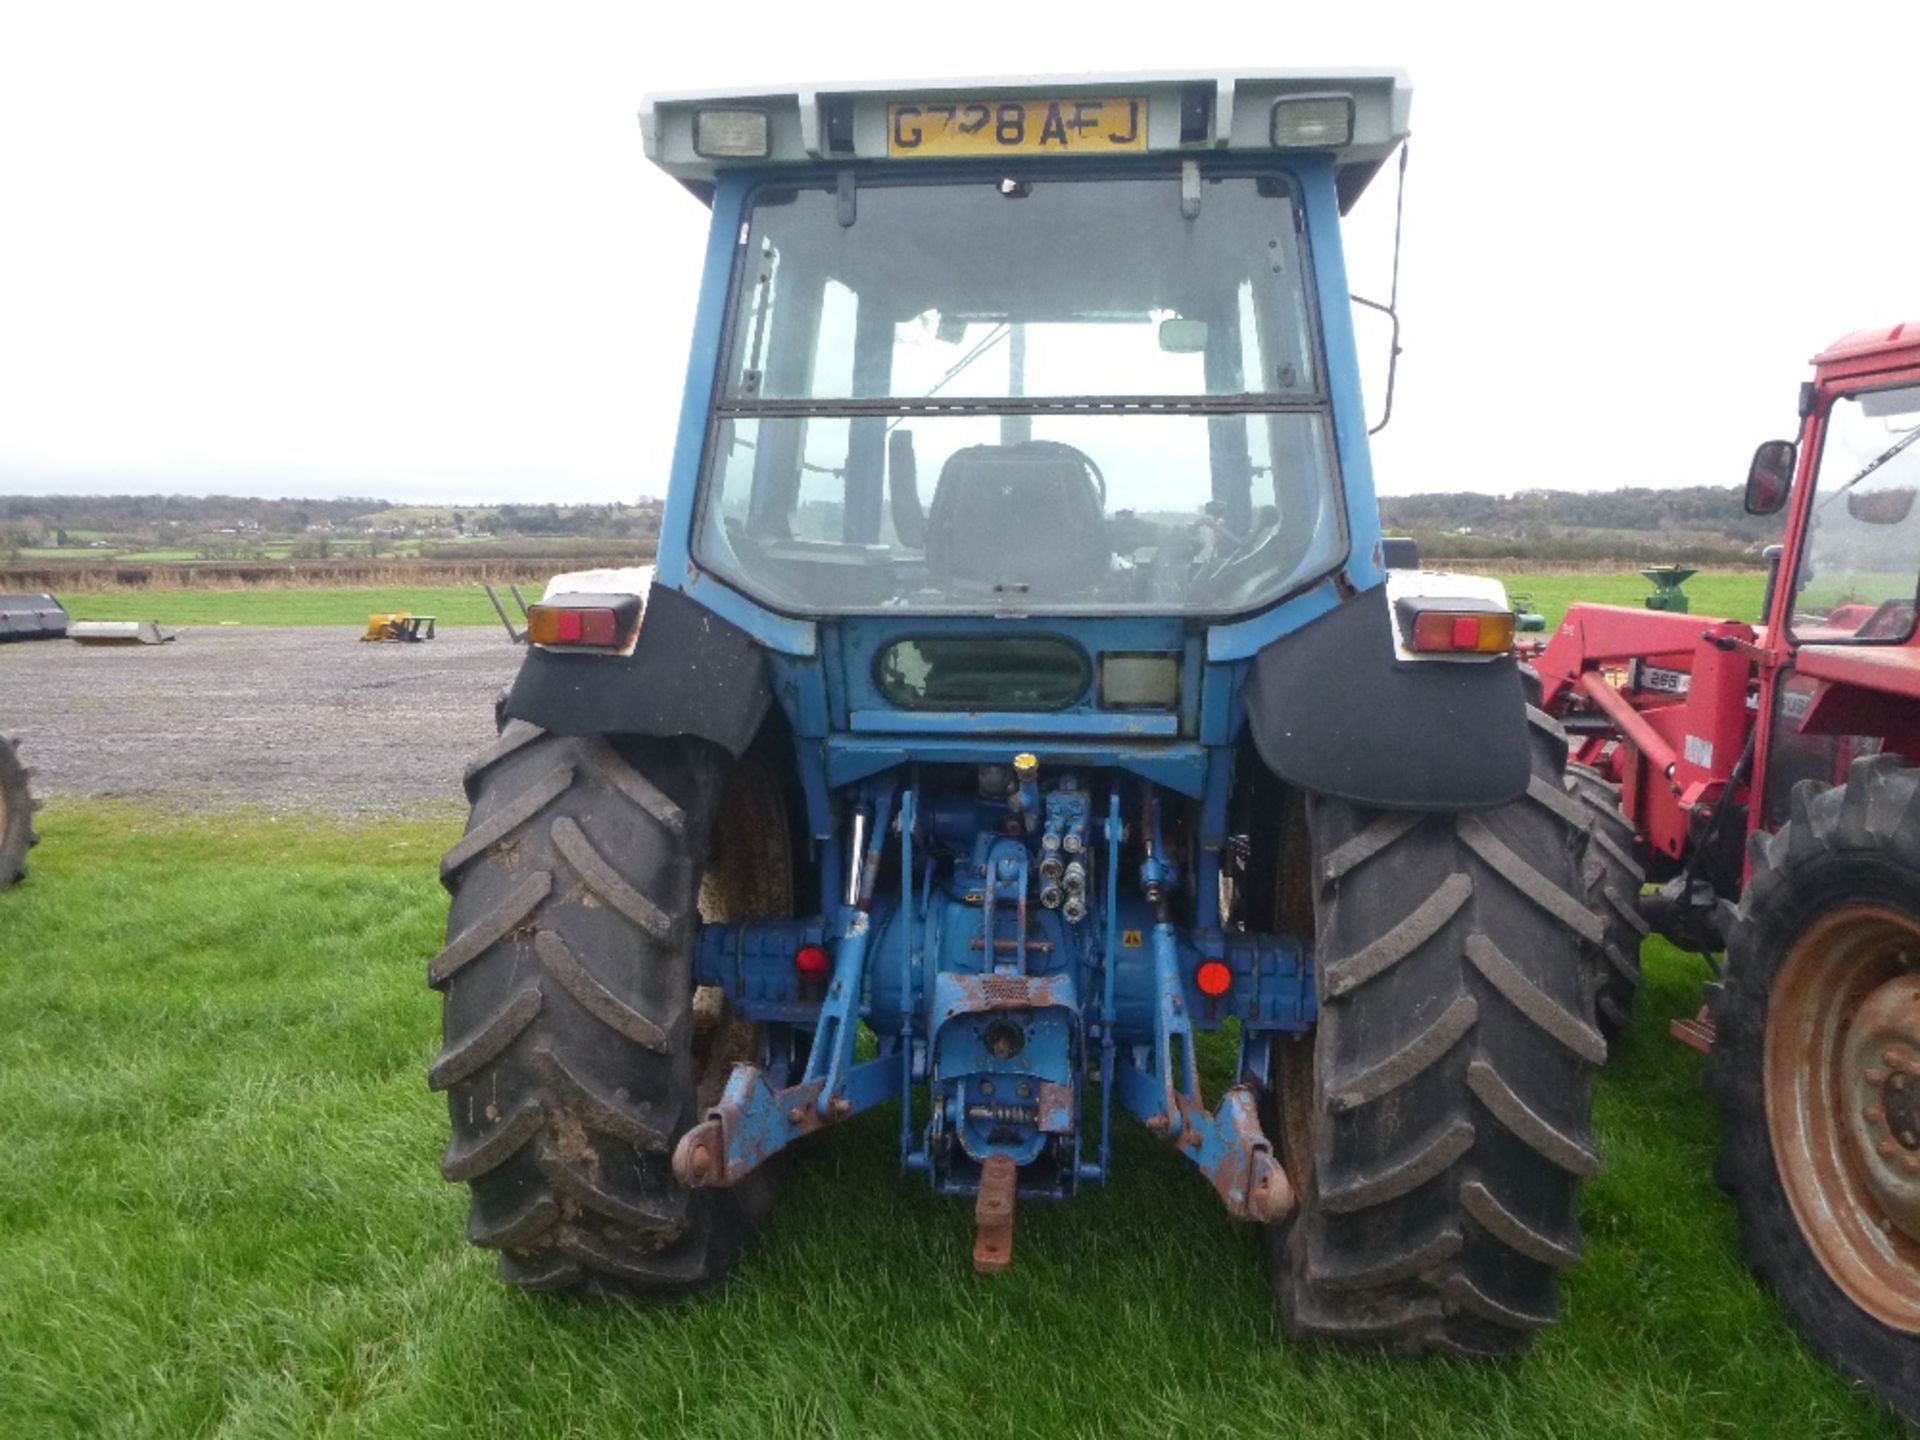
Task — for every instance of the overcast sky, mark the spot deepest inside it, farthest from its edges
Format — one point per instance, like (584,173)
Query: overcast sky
(413,249)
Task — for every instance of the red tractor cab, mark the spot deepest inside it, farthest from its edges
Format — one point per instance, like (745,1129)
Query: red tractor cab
(1767,774)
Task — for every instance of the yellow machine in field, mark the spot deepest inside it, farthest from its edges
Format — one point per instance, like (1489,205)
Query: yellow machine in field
(399,625)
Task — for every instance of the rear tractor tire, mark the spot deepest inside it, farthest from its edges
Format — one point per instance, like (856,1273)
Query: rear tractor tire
(1437,1123)
(576,1050)
(1611,880)
(1816,1070)
(16,815)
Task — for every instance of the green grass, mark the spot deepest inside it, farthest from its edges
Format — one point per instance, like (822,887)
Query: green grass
(347,605)
(1728,593)
(1724,594)
(220,1214)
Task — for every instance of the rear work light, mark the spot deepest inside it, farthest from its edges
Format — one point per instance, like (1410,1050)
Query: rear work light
(732,134)
(1312,122)
(589,622)
(1435,625)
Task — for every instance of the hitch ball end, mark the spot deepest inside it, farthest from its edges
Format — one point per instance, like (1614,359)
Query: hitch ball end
(1269,1192)
(697,1159)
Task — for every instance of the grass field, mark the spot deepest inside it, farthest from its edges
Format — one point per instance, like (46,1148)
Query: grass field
(1734,594)
(1728,594)
(347,605)
(220,1214)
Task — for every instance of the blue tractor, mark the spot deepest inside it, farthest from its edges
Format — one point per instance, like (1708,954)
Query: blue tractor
(1024,687)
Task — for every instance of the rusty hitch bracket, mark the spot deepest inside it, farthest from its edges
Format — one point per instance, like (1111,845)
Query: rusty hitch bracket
(753,1121)
(1228,1145)
(993,1215)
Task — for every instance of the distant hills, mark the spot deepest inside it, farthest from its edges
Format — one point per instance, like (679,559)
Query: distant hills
(1696,523)
(226,528)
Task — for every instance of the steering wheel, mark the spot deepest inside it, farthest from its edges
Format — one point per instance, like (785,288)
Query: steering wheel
(1099,481)
(1890,621)
(1243,555)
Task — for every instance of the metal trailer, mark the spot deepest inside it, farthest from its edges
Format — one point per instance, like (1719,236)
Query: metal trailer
(1763,776)
(1022,684)
(31,617)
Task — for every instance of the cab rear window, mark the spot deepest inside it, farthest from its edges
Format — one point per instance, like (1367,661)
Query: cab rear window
(982,672)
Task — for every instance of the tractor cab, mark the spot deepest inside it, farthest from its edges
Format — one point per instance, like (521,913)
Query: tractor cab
(1078,349)
(1841,626)
(1857,561)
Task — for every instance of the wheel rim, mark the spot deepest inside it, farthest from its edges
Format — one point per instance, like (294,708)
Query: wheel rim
(1842,1082)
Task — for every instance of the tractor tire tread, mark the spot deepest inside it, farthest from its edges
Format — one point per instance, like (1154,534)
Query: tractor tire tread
(1453,1072)
(490,929)
(1611,878)
(1550,1016)
(502,822)
(1408,936)
(518,1228)
(598,1109)
(474,1049)
(1390,1267)
(1418,1055)
(492,1150)
(570,1064)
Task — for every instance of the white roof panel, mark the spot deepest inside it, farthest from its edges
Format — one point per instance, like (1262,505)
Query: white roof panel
(1188,112)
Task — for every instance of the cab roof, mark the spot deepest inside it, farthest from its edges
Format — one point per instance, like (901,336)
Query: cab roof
(1880,339)
(1188,113)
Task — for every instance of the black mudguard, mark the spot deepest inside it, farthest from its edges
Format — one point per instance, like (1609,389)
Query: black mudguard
(691,673)
(1332,711)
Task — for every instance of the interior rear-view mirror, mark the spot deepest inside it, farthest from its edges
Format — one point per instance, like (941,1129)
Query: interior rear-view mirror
(1880,507)
(1183,337)
(1770,477)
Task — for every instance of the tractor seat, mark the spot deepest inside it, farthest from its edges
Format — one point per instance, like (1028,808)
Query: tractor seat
(1027,518)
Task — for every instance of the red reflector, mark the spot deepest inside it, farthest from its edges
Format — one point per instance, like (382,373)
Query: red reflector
(1466,633)
(1213,978)
(811,961)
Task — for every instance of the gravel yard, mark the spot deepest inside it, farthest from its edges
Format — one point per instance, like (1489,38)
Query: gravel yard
(286,718)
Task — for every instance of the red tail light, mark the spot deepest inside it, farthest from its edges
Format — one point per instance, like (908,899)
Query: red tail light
(601,622)
(1439,626)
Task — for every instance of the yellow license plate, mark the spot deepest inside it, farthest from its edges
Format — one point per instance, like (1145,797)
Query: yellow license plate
(1017,127)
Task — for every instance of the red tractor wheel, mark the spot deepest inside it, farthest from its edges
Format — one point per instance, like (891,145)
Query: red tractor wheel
(1842,1074)
(1817,1072)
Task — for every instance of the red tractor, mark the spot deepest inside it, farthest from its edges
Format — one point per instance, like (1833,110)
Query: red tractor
(1765,780)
